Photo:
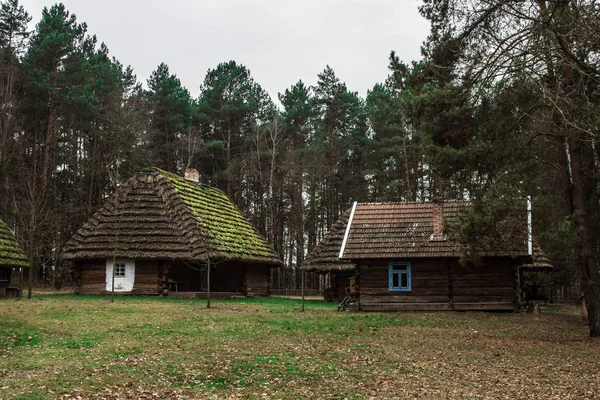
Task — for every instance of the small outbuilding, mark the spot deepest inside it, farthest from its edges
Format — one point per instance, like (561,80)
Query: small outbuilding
(160,233)
(533,277)
(12,259)
(404,260)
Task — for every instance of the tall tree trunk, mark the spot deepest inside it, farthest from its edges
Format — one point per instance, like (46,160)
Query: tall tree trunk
(229,158)
(565,170)
(92,170)
(590,274)
(312,215)
(299,217)
(7,116)
(167,149)
(409,190)
(49,144)
(50,133)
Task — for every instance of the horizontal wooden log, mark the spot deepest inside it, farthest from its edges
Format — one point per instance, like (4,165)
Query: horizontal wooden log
(136,291)
(468,283)
(483,278)
(435,286)
(481,306)
(365,299)
(204,295)
(442,291)
(483,291)
(404,306)
(483,299)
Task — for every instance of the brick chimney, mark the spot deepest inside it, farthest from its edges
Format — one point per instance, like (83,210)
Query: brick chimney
(438,222)
(192,174)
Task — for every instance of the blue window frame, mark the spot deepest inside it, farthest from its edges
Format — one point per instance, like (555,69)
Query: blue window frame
(400,276)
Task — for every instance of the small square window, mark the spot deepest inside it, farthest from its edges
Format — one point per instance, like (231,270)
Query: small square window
(119,270)
(400,276)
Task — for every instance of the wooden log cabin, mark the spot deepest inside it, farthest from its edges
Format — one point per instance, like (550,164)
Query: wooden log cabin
(160,233)
(404,260)
(12,259)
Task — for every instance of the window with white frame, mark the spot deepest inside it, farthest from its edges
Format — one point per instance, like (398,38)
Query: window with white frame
(400,276)
(124,274)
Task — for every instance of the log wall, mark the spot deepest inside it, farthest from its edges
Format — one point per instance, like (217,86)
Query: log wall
(341,281)
(91,277)
(228,277)
(5,273)
(490,286)
(252,279)
(257,280)
(440,284)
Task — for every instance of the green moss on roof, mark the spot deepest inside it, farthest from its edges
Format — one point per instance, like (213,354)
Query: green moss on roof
(159,215)
(227,232)
(10,253)
(150,169)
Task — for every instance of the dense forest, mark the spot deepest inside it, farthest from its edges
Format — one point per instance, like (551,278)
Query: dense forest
(503,104)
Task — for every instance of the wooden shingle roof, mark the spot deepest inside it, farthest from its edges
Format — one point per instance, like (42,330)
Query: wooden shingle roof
(11,255)
(391,231)
(159,215)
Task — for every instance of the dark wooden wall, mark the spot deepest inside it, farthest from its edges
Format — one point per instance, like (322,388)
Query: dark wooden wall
(341,281)
(92,277)
(257,280)
(252,279)
(440,284)
(5,273)
(228,277)
(490,286)
(184,277)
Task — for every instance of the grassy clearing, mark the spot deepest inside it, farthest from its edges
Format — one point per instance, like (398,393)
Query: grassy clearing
(64,346)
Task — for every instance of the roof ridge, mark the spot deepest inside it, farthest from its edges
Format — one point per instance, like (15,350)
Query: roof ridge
(412,202)
(157,171)
(210,239)
(183,219)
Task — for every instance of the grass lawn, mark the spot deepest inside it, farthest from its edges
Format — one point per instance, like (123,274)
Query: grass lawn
(66,346)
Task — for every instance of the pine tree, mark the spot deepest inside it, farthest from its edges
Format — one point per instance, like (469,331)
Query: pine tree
(548,42)
(13,36)
(171,115)
(231,103)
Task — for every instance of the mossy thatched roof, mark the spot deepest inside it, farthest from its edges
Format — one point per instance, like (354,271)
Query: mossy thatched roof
(159,215)
(11,254)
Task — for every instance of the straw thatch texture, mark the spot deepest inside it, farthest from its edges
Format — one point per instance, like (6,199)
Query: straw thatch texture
(11,254)
(159,215)
(324,257)
(540,260)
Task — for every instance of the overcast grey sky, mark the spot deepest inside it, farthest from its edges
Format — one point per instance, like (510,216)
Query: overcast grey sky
(280,41)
